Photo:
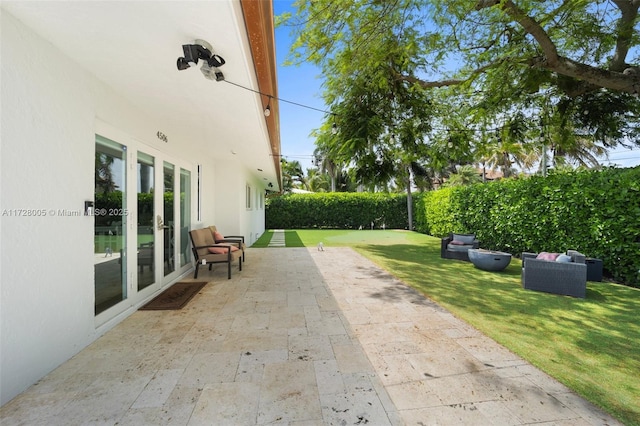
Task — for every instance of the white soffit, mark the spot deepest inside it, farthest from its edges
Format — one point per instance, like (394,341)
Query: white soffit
(133,46)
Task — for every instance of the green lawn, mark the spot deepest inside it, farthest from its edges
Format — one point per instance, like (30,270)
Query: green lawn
(591,345)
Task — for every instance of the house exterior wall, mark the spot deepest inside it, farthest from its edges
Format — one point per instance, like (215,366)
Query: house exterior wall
(233,217)
(51,110)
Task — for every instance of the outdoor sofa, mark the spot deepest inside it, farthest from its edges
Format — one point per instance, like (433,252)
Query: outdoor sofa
(568,277)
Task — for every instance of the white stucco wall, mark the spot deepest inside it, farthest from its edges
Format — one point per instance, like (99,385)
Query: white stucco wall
(47,143)
(49,115)
(231,214)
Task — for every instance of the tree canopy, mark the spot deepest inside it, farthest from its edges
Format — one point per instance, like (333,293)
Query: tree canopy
(459,75)
(578,45)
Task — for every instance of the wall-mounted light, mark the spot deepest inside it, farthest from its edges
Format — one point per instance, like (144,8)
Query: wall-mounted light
(202,50)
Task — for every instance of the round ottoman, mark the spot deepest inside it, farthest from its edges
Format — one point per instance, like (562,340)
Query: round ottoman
(489,260)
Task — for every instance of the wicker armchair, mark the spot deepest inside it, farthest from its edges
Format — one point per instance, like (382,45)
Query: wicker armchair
(459,249)
(555,277)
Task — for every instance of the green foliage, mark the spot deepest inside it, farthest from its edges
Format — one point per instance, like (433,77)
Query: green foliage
(526,70)
(337,210)
(466,175)
(595,212)
(434,214)
(292,175)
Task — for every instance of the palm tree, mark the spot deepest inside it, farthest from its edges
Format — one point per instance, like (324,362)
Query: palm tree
(508,147)
(466,175)
(317,181)
(104,182)
(292,175)
(326,164)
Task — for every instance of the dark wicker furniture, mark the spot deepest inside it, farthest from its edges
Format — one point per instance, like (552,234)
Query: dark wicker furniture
(457,251)
(555,277)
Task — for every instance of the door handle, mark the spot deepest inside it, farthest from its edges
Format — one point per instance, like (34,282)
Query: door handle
(160,223)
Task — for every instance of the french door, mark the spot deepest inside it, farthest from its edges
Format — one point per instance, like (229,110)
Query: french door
(142,210)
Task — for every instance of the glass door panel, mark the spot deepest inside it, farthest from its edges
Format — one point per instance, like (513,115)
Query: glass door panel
(185,216)
(146,235)
(168,221)
(110,224)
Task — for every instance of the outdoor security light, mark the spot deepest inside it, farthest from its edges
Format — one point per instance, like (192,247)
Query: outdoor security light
(202,50)
(183,64)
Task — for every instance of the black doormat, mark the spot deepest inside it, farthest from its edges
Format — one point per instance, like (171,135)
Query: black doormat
(175,297)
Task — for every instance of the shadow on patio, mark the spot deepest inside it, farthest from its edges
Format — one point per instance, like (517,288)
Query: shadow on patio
(299,336)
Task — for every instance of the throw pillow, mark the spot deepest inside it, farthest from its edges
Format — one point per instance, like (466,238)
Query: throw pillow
(457,243)
(547,256)
(563,258)
(465,239)
(218,236)
(221,250)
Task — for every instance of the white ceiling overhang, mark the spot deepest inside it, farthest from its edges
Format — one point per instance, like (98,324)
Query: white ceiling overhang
(132,46)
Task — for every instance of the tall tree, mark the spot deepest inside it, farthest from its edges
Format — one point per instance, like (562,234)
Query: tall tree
(465,175)
(317,181)
(326,158)
(382,121)
(104,181)
(499,56)
(292,175)
(577,45)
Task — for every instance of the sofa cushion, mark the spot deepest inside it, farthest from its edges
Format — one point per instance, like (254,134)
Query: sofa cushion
(463,247)
(547,256)
(466,239)
(222,250)
(563,258)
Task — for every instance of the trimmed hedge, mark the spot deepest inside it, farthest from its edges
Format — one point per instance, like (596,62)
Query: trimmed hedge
(434,214)
(337,210)
(595,212)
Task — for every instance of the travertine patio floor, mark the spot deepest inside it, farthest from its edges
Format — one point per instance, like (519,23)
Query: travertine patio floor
(299,337)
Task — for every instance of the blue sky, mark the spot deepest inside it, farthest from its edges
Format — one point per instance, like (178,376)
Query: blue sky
(302,84)
(299,84)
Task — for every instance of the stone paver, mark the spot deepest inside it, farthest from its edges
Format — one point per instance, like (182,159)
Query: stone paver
(299,337)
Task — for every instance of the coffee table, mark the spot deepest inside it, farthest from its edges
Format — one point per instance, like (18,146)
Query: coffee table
(489,260)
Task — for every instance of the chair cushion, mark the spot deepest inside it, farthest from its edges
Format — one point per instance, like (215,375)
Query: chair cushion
(465,239)
(222,250)
(547,256)
(463,247)
(202,238)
